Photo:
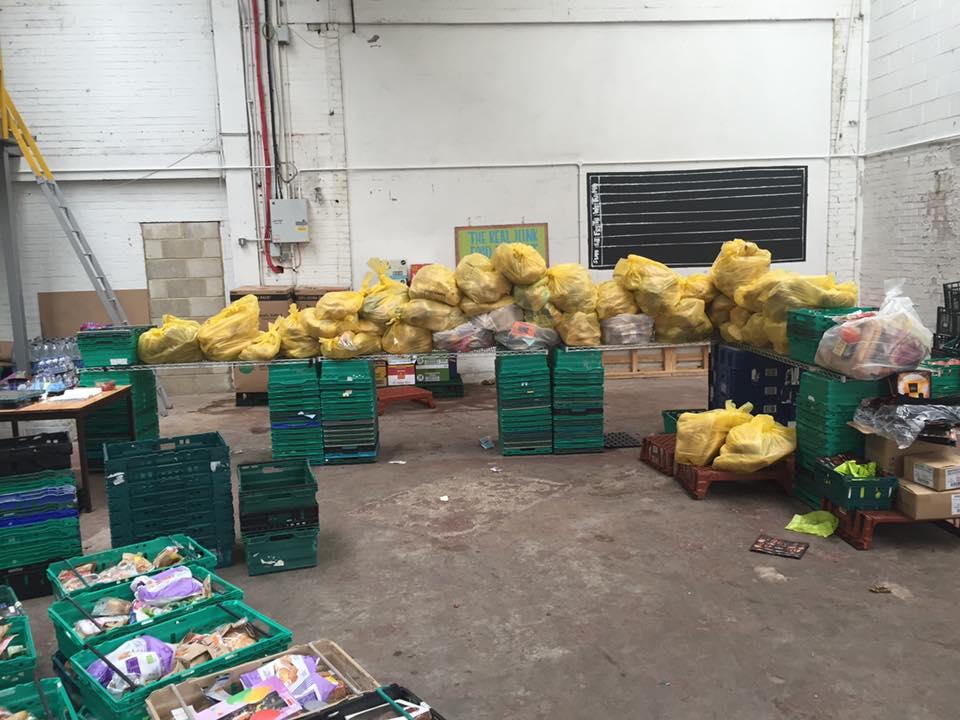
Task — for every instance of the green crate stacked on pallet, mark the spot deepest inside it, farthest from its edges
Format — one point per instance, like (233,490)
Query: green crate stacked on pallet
(40,699)
(824,407)
(111,424)
(20,666)
(577,401)
(524,405)
(293,390)
(173,485)
(348,402)
(103,704)
(279,515)
(805,327)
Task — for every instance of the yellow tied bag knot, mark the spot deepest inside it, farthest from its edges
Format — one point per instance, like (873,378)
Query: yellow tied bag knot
(479,281)
(687,321)
(265,347)
(655,286)
(571,288)
(435,282)
(701,435)
(432,315)
(381,302)
(519,263)
(756,444)
(739,263)
(614,299)
(579,329)
(404,339)
(226,334)
(340,304)
(175,341)
(295,339)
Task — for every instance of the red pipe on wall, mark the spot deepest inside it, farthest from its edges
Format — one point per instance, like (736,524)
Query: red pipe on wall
(268,168)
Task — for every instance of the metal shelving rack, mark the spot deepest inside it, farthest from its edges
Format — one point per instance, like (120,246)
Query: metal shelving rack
(789,361)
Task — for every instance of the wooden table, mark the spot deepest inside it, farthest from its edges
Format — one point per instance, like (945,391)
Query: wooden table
(76,410)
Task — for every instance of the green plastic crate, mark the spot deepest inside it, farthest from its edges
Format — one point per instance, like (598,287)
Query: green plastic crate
(193,554)
(36,481)
(38,697)
(281,551)
(130,706)
(805,327)
(110,347)
(821,394)
(37,542)
(64,614)
(19,669)
(875,493)
(277,485)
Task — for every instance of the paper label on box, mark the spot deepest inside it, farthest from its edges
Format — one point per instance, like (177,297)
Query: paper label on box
(953,478)
(955,504)
(119,361)
(923,475)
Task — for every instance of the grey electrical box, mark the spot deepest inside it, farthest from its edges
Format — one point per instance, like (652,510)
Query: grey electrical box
(288,221)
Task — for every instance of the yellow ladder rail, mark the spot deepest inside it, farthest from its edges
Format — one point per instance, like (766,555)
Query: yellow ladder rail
(12,124)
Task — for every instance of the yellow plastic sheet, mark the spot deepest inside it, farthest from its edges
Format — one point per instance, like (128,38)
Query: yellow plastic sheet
(739,263)
(295,339)
(698,285)
(719,310)
(402,339)
(470,308)
(754,445)
(432,315)
(655,286)
(579,329)
(175,341)
(435,282)
(819,522)
(614,299)
(479,281)
(350,345)
(381,302)
(226,334)
(549,316)
(340,304)
(534,296)
(265,347)
(687,321)
(519,263)
(319,326)
(701,435)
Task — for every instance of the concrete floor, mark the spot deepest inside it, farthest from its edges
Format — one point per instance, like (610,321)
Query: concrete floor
(591,586)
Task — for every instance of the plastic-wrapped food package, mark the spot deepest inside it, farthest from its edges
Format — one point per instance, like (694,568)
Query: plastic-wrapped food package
(903,423)
(350,344)
(299,675)
(463,338)
(432,315)
(435,282)
(739,263)
(527,336)
(870,346)
(571,288)
(295,340)
(382,302)
(549,316)
(685,322)
(226,334)
(340,304)
(719,310)
(404,339)
(319,326)
(499,319)
(701,435)
(479,281)
(170,586)
(519,263)
(579,329)
(656,287)
(533,296)
(816,291)
(627,329)
(756,444)
(471,308)
(175,341)
(614,299)
(144,660)
(755,331)
(265,347)
(698,285)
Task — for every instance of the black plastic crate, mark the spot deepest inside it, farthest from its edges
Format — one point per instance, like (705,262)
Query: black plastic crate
(28,581)
(35,453)
(262,522)
(951,296)
(367,702)
(948,322)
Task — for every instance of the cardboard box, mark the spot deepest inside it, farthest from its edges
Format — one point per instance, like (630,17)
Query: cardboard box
(431,370)
(889,457)
(922,503)
(380,373)
(62,313)
(246,380)
(307,296)
(274,301)
(936,470)
(401,374)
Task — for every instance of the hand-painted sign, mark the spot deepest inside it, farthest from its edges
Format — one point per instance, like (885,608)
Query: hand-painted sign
(484,239)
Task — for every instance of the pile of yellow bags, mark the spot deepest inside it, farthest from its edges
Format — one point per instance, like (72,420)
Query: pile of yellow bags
(732,439)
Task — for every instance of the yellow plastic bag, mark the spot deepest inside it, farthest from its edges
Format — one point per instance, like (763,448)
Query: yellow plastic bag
(350,345)
(479,281)
(731,333)
(753,295)
(435,282)
(319,326)
(579,329)
(686,322)
(340,304)
(227,333)
(777,335)
(533,296)
(402,339)
(265,347)
(175,341)
(739,263)
(739,316)
(381,302)
(655,286)
(755,445)
(571,288)
(816,291)
(719,310)
(755,331)
(470,308)
(700,435)
(614,299)
(699,285)
(368,326)
(295,340)
(432,315)
(549,316)
(519,263)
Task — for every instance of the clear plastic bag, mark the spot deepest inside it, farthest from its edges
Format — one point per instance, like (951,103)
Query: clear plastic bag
(479,281)
(519,263)
(527,336)
(871,346)
(435,282)
(579,329)
(463,338)
(432,315)
(226,334)
(571,288)
(903,423)
(175,341)
(499,319)
(614,299)
(739,263)
(756,444)
(701,435)
(627,329)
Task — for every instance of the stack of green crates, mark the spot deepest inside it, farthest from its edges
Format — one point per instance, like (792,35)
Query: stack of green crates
(944,378)
(294,397)
(348,401)
(279,516)
(172,485)
(111,423)
(824,407)
(523,405)
(805,327)
(577,401)
(27,698)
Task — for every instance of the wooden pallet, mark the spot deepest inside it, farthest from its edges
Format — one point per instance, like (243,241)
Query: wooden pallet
(684,361)
(697,480)
(857,526)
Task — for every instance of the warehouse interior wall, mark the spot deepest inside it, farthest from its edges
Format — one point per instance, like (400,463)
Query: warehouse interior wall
(911,206)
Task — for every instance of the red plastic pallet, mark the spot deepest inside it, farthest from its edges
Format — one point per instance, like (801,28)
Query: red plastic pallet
(857,526)
(697,480)
(408,393)
(657,451)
